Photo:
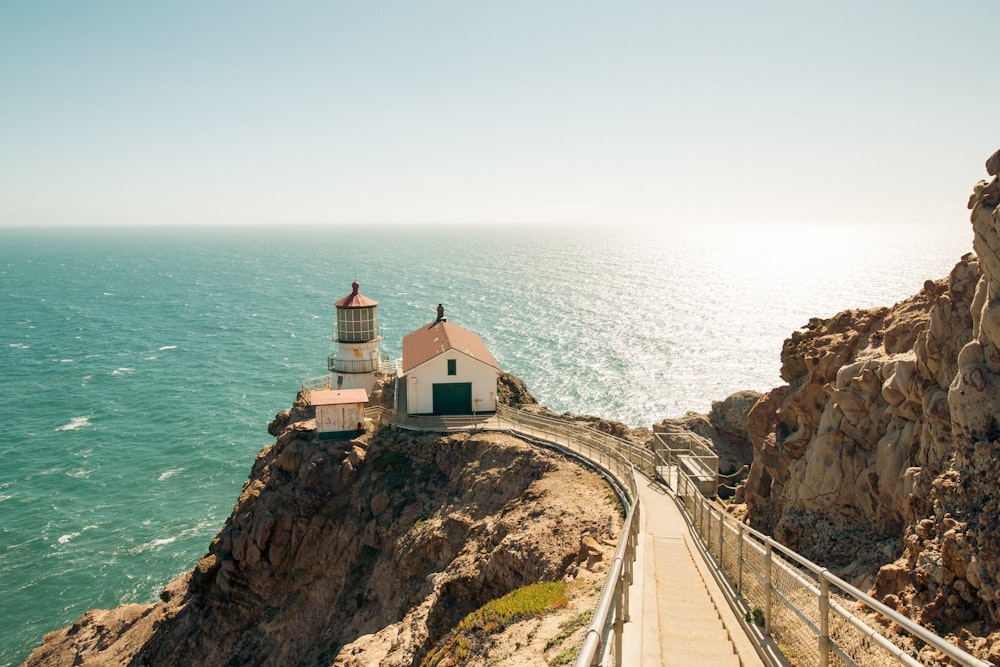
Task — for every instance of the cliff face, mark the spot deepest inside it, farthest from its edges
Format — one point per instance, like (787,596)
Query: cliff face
(861,425)
(882,449)
(357,553)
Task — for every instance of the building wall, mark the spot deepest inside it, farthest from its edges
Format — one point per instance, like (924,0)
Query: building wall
(337,419)
(419,395)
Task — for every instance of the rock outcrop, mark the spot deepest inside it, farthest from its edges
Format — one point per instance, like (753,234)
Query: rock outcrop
(879,456)
(361,553)
(862,423)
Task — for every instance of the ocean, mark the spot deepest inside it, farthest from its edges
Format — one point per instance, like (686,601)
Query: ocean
(140,368)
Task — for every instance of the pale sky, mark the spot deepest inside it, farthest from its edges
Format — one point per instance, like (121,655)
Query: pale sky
(613,113)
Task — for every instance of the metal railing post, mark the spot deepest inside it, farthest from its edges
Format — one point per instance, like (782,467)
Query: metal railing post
(722,556)
(767,587)
(619,621)
(739,559)
(824,620)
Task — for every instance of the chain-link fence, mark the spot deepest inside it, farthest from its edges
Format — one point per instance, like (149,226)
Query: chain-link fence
(815,618)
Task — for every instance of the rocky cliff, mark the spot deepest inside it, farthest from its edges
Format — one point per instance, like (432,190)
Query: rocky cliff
(367,552)
(879,456)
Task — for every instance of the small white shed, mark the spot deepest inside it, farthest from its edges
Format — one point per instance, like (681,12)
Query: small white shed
(340,413)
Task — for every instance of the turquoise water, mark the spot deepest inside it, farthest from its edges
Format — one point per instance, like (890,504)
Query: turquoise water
(139,369)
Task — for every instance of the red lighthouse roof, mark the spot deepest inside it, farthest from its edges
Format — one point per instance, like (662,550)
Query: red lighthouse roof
(355,299)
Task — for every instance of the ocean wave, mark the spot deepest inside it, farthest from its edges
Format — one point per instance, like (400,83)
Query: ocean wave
(168,347)
(69,537)
(153,545)
(167,474)
(75,423)
(78,473)
(122,371)
(19,346)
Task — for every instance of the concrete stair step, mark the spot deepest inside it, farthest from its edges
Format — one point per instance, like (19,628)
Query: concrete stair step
(694,616)
(699,631)
(683,657)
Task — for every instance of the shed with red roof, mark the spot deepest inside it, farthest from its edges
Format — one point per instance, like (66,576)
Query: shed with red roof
(340,413)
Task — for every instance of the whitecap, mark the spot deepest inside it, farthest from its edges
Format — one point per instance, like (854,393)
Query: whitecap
(79,473)
(168,347)
(19,346)
(156,544)
(65,361)
(75,423)
(122,371)
(167,474)
(63,539)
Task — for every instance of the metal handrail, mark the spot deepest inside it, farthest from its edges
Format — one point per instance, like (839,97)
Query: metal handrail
(701,516)
(639,456)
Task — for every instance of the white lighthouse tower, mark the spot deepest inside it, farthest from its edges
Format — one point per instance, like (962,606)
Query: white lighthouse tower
(356,359)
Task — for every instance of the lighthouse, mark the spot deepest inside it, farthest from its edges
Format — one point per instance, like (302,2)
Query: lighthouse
(356,358)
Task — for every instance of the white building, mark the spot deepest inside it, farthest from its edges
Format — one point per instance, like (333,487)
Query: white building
(356,358)
(340,413)
(447,370)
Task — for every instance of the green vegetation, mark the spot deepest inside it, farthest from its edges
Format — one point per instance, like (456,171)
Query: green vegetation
(566,657)
(390,460)
(396,469)
(756,616)
(566,628)
(494,617)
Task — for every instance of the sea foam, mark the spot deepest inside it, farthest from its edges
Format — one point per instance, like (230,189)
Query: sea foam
(75,423)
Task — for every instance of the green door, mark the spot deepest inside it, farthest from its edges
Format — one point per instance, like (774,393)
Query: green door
(453,398)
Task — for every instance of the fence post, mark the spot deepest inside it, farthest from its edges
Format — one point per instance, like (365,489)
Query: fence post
(722,524)
(700,511)
(824,620)
(767,587)
(627,577)
(739,559)
(619,621)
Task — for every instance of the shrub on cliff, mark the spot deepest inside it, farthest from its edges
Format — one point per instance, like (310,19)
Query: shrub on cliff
(493,617)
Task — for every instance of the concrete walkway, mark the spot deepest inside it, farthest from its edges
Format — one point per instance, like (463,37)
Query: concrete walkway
(674,620)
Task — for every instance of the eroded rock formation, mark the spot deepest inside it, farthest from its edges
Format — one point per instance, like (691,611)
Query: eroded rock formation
(879,456)
(361,553)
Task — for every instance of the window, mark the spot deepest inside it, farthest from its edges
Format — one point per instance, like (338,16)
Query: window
(452,365)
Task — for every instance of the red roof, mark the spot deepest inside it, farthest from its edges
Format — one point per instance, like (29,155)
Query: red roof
(437,338)
(337,396)
(355,299)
